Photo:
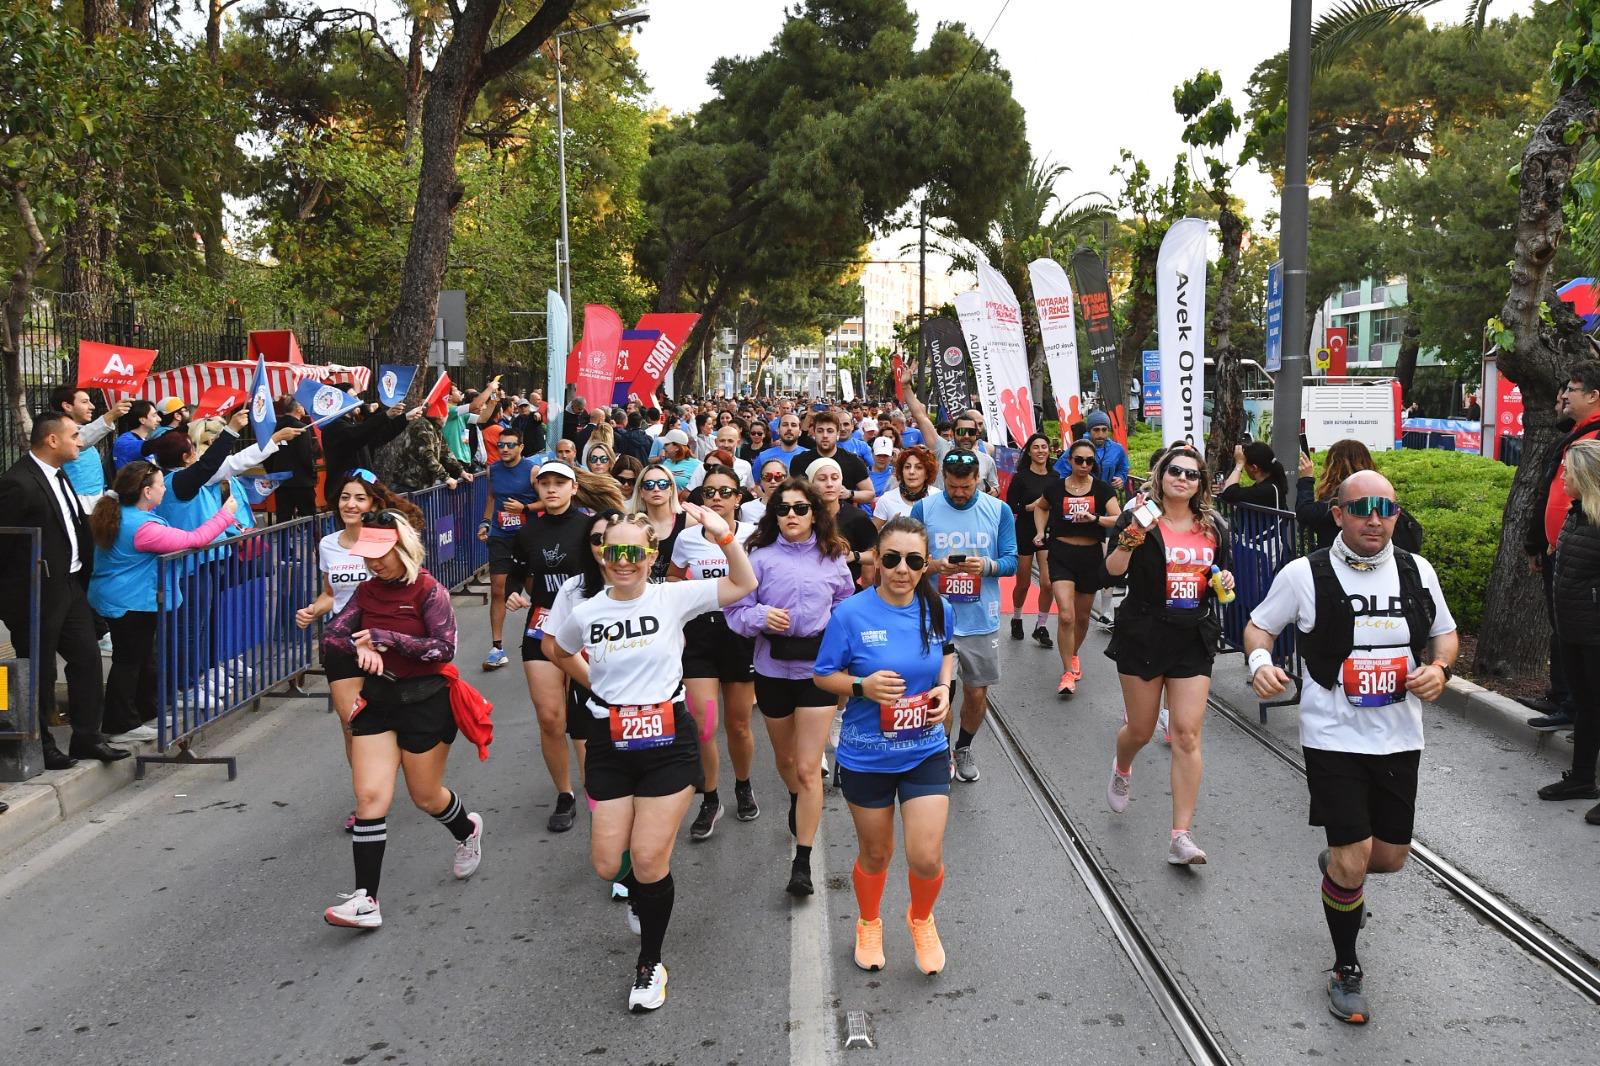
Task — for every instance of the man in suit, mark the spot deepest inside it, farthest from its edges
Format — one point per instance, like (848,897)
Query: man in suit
(36,492)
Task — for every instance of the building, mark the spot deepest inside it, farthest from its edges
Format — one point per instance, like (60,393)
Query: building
(1374,311)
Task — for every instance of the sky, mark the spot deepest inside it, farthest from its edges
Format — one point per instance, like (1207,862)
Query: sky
(1093,78)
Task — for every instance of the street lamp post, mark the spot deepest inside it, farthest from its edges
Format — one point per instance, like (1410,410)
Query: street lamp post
(630,17)
(1293,245)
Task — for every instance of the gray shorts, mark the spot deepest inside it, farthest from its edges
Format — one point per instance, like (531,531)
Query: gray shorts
(978,656)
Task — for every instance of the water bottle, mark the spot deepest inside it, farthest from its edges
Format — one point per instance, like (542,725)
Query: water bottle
(1224,595)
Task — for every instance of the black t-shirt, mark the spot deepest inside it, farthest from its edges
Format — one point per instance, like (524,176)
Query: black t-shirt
(1063,505)
(850,465)
(1026,486)
(857,530)
(663,558)
(546,551)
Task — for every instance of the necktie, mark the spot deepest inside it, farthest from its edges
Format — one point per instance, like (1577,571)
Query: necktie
(74,508)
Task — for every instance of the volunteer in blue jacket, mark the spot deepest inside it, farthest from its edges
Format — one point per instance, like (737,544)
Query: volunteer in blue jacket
(889,650)
(973,540)
(512,496)
(1111,458)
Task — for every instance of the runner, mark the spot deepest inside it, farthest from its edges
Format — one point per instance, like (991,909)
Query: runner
(1028,486)
(1078,511)
(1369,617)
(851,521)
(773,474)
(913,479)
(890,650)
(511,496)
(656,497)
(788,445)
(643,762)
(402,631)
(715,657)
(1167,634)
(973,538)
(801,565)
(852,469)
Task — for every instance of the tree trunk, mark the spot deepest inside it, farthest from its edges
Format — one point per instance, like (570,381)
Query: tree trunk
(1141,315)
(416,86)
(18,293)
(1405,364)
(1514,638)
(84,243)
(1227,393)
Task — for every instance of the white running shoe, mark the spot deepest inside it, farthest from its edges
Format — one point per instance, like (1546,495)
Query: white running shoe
(469,852)
(1185,852)
(1162,727)
(358,911)
(1118,790)
(633,921)
(649,989)
(135,735)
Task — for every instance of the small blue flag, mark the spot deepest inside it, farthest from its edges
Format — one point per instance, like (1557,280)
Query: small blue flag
(323,403)
(263,419)
(394,381)
(259,486)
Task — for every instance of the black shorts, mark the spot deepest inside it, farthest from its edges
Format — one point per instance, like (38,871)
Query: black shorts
(419,727)
(1355,796)
(611,774)
(578,716)
(1025,534)
(711,649)
(499,554)
(778,697)
(340,665)
(532,647)
(930,777)
(1082,564)
(1148,648)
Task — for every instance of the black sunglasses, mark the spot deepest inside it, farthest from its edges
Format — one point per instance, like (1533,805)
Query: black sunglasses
(388,518)
(627,482)
(964,431)
(505,445)
(656,484)
(721,493)
(1187,473)
(1083,460)
(892,560)
(782,509)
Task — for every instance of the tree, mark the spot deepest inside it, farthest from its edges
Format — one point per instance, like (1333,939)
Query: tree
(1148,209)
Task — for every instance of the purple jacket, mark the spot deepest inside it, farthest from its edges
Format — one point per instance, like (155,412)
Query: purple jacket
(796,577)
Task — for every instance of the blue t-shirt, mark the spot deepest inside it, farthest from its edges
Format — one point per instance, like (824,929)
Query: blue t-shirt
(513,482)
(984,528)
(911,437)
(866,635)
(776,452)
(881,479)
(858,448)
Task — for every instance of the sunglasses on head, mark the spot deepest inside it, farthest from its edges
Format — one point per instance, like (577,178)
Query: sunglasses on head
(1186,473)
(361,473)
(1367,506)
(721,492)
(387,518)
(892,560)
(626,553)
(656,483)
(959,460)
(782,509)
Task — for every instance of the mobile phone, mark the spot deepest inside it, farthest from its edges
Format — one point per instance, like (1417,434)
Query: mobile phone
(1146,513)
(1308,449)
(956,559)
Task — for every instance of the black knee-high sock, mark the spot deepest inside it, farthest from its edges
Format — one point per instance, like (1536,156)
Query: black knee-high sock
(652,902)
(1342,908)
(366,846)
(454,817)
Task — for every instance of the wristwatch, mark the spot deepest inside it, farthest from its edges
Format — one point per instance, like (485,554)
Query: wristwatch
(1444,668)
(856,689)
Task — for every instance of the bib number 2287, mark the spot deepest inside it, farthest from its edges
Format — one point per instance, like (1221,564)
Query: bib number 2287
(907,715)
(638,728)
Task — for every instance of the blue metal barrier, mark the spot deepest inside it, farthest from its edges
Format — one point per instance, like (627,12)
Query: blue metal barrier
(453,552)
(20,724)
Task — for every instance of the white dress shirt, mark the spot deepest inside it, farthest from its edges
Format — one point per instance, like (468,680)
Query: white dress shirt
(66,503)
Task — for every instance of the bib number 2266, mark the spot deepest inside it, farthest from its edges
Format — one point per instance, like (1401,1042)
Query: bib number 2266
(638,728)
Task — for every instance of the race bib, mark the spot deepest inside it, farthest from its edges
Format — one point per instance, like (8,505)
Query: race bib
(1374,680)
(959,588)
(536,617)
(1185,586)
(508,520)
(1077,508)
(638,728)
(906,715)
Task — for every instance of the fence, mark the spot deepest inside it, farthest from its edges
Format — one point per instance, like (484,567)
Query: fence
(1264,541)
(19,719)
(226,632)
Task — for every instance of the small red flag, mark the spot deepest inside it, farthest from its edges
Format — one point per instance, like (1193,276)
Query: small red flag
(219,400)
(439,397)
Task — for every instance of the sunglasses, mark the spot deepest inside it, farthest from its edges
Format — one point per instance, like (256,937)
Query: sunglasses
(626,553)
(363,474)
(599,457)
(1083,460)
(958,459)
(774,478)
(722,493)
(1367,506)
(627,482)
(892,560)
(782,509)
(1183,473)
(507,445)
(655,484)
(963,432)
(384,519)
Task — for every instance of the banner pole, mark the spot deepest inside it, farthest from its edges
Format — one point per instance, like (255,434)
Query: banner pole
(1293,238)
(922,298)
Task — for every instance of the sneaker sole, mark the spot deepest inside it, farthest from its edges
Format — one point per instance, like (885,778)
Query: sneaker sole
(748,816)
(1199,860)
(340,923)
(645,1008)
(712,828)
(556,827)
(1348,1019)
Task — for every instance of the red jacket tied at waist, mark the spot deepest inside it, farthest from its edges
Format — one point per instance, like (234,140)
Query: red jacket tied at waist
(471,711)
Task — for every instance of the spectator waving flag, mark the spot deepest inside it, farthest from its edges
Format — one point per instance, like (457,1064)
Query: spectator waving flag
(394,381)
(258,487)
(263,420)
(323,403)
(439,397)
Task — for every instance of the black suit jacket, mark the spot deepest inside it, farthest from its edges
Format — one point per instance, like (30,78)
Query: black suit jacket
(27,499)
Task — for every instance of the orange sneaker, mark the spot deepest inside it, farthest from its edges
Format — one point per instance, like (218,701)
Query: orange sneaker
(925,937)
(869,944)
(1076,670)
(1069,684)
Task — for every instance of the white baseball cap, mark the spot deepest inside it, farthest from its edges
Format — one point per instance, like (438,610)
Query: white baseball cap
(558,469)
(675,436)
(882,446)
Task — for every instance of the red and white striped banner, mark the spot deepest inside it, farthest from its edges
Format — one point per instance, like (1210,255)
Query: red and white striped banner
(189,383)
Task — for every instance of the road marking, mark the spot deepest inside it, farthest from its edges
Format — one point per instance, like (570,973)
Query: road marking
(811,1017)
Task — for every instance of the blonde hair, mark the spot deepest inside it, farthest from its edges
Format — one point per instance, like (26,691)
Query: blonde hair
(409,549)
(202,431)
(637,504)
(1200,502)
(603,434)
(598,445)
(1583,460)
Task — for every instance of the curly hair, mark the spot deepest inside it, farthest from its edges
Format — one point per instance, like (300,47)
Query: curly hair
(1200,502)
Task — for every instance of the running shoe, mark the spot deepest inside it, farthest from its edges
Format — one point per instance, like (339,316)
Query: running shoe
(496,658)
(745,797)
(799,879)
(1185,852)
(706,820)
(562,817)
(469,852)
(925,938)
(1068,686)
(1016,634)
(1549,723)
(869,944)
(1570,787)
(1104,621)
(1076,669)
(1118,790)
(1042,635)
(649,988)
(1593,815)
(1345,1000)
(350,822)
(619,890)
(966,765)
(358,911)
(135,735)
(1322,864)
(1164,726)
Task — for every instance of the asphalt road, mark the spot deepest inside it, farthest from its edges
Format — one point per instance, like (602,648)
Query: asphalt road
(181,921)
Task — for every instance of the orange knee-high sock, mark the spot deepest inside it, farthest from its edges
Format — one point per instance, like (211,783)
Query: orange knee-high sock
(869,891)
(924,893)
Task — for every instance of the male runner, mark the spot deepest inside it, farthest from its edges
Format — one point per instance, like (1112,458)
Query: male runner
(511,491)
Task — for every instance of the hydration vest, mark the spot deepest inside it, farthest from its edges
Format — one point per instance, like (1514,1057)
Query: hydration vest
(1332,638)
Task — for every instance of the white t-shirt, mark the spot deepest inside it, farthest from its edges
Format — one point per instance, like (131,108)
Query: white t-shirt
(891,505)
(700,558)
(345,571)
(570,592)
(636,646)
(1328,718)
(752,511)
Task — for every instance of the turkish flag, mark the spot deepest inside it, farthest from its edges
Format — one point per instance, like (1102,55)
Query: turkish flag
(112,366)
(219,400)
(597,353)
(438,400)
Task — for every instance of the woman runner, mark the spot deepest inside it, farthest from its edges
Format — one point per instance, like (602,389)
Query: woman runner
(772,474)
(890,651)
(656,497)
(643,761)
(716,657)
(1078,511)
(851,521)
(1027,486)
(402,631)
(1167,634)
(913,477)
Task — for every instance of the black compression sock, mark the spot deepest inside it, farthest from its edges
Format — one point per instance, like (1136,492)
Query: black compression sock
(500,644)
(710,796)
(793,799)
(454,817)
(802,855)
(1342,908)
(366,846)
(653,904)
(741,782)
(964,739)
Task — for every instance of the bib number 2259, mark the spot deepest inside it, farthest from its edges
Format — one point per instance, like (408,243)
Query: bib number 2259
(638,728)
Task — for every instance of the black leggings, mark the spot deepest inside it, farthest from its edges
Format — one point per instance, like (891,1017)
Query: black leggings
(1583,682)
(131,684)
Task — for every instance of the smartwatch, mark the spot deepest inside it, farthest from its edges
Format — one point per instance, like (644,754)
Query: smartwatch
(856,689)
(1444,668)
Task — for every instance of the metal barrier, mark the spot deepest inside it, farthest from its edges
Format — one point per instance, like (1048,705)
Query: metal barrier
(1264,540)
(19,722)
(450,538)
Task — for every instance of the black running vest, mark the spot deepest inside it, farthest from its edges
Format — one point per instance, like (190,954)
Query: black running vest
(1332,638)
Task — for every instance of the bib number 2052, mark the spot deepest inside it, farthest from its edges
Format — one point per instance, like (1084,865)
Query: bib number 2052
(638,728)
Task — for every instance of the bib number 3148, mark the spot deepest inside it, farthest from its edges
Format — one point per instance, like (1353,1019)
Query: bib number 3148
(908,714)
(1374,681)
(638,728)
